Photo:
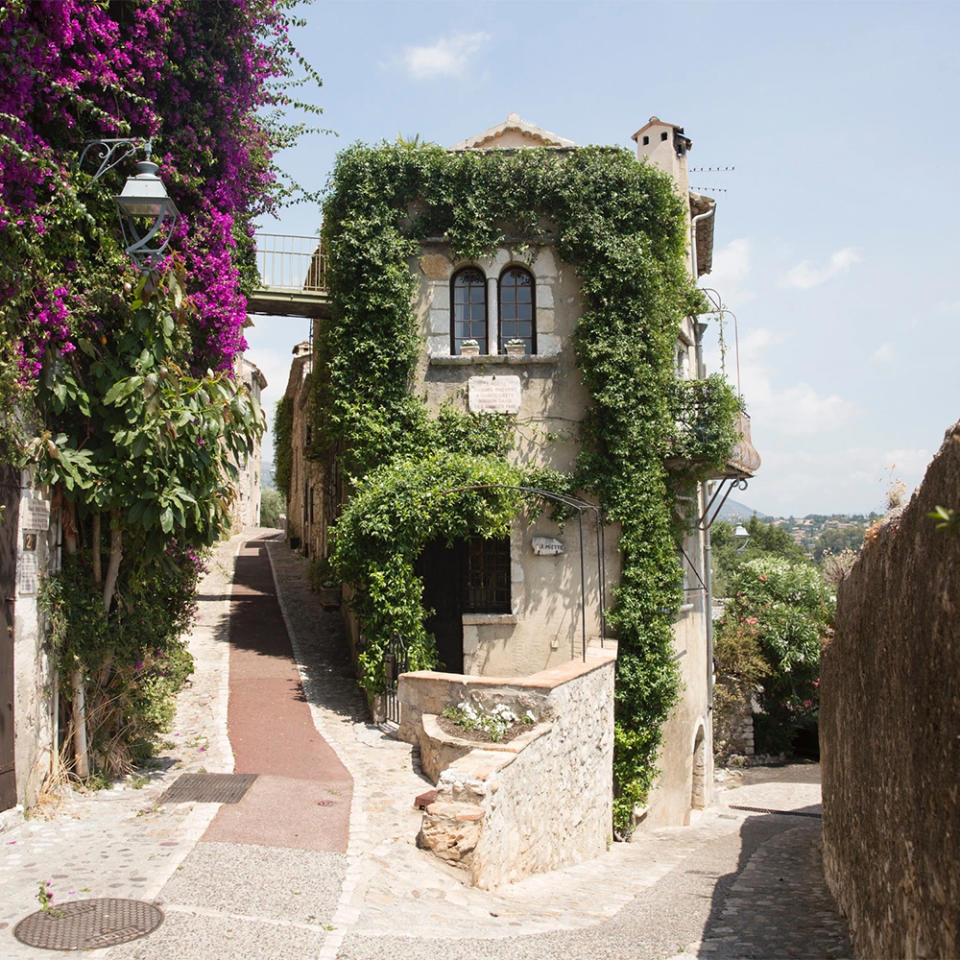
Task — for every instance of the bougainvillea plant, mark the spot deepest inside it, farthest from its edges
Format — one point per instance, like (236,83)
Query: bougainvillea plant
(120,388)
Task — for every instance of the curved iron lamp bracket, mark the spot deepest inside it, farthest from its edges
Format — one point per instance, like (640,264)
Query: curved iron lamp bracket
(112,152)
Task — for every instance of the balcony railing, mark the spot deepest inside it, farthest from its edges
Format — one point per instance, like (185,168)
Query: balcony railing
(290,264)
(711,431)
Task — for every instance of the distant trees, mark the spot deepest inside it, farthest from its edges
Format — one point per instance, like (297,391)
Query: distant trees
(767,643)
(273,504)
(765,540)
(837,539)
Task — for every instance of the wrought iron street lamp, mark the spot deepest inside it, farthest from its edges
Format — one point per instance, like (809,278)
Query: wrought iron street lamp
(740,537)
(148,216)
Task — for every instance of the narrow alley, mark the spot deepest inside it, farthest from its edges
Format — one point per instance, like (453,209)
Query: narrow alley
(317,857)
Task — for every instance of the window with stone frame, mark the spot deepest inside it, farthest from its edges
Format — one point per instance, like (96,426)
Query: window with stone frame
(487,588)
(468,308)
(518,312)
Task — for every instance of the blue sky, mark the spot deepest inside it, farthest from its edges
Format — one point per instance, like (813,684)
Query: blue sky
(835,233)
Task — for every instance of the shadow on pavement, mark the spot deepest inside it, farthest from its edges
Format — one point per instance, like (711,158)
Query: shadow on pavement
(775,903)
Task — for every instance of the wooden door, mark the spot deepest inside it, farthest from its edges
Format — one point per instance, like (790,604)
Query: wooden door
(9,517)
(442,569)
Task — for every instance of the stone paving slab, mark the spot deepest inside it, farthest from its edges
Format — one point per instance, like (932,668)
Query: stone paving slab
(301,886)
(121,842)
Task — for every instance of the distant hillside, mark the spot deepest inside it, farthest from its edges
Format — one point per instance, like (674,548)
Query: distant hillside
(732,510)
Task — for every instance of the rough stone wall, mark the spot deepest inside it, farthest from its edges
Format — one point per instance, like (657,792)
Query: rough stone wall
(504,816)
(890,732)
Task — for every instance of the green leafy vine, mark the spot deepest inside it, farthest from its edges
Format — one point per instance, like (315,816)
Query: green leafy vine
(621,225)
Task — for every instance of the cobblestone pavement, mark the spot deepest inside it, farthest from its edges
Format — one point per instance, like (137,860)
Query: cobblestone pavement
(735,884)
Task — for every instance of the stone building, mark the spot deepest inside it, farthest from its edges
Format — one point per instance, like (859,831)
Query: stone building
(497,333)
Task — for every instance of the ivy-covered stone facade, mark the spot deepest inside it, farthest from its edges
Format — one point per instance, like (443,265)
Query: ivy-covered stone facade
(428,438)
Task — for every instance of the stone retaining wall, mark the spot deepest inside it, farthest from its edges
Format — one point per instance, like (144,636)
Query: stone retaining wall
(543,801)
(890,732)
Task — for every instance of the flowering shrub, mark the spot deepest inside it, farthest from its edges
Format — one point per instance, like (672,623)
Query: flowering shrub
(118,387)
(770,635)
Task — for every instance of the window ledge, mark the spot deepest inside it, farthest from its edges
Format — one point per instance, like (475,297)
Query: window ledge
(479,619)
(446,360)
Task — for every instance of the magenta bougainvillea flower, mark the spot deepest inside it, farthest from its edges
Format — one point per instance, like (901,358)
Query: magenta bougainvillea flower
(196,75)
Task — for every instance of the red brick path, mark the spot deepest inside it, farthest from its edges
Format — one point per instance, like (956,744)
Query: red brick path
(301,797)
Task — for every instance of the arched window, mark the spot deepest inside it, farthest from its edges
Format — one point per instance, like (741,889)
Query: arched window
(517,309)
(469,295)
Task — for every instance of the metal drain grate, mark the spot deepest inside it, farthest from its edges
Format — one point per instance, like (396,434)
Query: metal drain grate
(89,924)
(208,788)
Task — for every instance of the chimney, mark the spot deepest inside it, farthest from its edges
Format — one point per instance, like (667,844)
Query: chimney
(666,147)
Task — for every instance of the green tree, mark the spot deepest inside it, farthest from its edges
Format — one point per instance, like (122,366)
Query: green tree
(273,505)
(728,554)
(838,539)
(779,612)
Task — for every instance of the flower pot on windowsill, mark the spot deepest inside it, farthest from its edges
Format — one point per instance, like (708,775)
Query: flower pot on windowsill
(515,348)
(469,348)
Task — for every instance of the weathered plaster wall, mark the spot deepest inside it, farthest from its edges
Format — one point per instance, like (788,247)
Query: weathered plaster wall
(308,497)
(890,732)
(33,678)
(503,815)
(686,758)
(544,627)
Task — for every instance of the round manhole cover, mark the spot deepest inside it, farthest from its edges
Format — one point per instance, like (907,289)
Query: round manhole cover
(88,924)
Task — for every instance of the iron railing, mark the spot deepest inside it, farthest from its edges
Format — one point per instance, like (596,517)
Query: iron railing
(290,263)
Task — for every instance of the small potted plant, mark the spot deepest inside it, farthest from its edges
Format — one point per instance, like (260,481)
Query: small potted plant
(515,347)
(323,581)
(469,348)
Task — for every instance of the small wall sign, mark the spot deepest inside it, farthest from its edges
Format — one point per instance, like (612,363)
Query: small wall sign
(547,546)
(36,514)
(498,394)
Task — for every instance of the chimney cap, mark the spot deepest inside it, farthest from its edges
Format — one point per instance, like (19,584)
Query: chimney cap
(654,122)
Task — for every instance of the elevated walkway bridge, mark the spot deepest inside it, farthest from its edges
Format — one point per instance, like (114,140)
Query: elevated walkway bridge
(291,277)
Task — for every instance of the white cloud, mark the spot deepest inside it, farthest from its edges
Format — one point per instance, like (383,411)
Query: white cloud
(852,479)
(446,58)
(730,273)
(792,410)
(883,354)
(806,274)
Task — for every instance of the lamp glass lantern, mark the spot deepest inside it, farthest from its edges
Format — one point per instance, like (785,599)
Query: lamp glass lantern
(148,216)
(741,536)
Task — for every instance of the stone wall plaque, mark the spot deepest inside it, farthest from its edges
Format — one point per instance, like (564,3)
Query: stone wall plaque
(27,569)
(36,514)
(548,546)
(496,394)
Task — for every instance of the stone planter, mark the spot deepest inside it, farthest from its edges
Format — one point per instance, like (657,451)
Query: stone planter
(469,348)
(330,596)
(515,349)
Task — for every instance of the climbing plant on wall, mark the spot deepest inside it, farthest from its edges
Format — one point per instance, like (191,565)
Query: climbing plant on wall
(119,389)
(621,226)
